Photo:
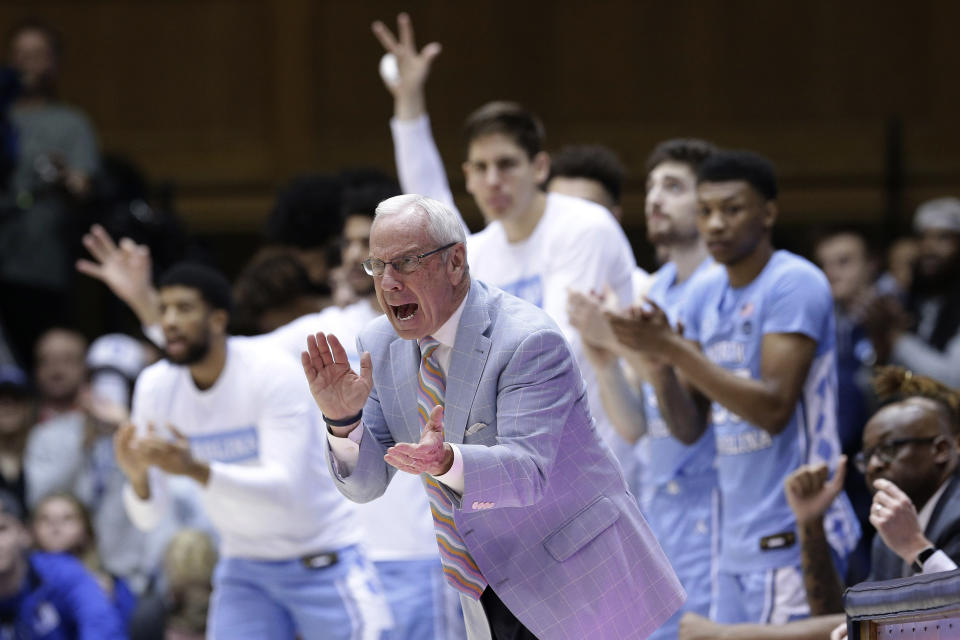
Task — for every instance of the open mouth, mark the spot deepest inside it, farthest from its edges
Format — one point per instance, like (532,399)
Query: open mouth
(405,312)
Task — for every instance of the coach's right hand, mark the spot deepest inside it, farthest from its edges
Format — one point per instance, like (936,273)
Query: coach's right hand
(337,389)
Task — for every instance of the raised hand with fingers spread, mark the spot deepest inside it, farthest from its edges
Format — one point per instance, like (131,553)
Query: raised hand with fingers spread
(126,268)
(337,389)
(431,455)
(413,67)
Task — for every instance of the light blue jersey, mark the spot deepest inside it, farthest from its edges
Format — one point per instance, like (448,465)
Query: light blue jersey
(678,483)
(758,530)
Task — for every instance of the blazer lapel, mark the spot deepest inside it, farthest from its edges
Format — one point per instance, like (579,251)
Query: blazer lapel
(405,365)
(469,356)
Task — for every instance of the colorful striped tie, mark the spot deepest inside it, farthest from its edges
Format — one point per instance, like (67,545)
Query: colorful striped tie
(458,566)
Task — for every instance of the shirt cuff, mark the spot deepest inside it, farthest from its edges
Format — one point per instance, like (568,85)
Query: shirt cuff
(454,477)
(346,450)
(939,561)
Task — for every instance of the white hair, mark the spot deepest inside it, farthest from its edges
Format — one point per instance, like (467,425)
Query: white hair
(443,224)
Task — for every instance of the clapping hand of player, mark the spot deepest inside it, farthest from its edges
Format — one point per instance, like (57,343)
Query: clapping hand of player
(586,314)
(810,493)
(171,454)
(128,455)
(412,66)
(337,389)
(697,627)
(895,518)
(430,455)
(644,328)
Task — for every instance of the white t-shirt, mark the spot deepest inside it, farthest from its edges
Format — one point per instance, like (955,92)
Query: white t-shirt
(398,524)
(267,496)
(577,244)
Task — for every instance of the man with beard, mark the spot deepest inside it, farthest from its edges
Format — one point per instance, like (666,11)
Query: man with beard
(677,483)
(233,417)
(760,346)
(926,336)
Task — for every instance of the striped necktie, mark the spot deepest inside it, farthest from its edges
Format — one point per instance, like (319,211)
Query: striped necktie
(461,572)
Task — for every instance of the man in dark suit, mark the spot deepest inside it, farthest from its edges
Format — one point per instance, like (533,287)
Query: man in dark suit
(910,460)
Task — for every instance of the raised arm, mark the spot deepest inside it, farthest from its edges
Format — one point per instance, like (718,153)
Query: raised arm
(126,269)
(810,494)
(419,165)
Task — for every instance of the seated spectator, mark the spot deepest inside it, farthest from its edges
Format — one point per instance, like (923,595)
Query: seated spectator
(60,372)
(61,524)
(17,412)
(845,257)
(179,611)
(924,336)
(901,262)
(910,459)
(45,595)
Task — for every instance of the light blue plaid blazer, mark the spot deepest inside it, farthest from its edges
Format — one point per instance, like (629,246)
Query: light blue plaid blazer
(545,512)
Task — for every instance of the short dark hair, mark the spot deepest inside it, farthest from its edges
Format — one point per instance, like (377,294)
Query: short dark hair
(752,168)
(213,286)
(509,119)
(689,151)
(593,162)
(306,213)
(273,278)
(364,189)
(52,35)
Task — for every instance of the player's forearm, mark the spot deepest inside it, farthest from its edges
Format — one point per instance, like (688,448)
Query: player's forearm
(823,586)
(145,305)
(815,628)
(679,409)
(419,165)
(623,403)
(753,400)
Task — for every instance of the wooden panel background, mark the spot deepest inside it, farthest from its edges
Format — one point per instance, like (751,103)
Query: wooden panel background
(226,99)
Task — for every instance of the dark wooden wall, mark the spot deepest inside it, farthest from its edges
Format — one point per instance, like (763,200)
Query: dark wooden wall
(855,100)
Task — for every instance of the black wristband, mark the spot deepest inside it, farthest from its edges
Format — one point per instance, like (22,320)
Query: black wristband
(346,422)
(922,557)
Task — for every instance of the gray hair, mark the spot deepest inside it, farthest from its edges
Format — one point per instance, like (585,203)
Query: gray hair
(443,223)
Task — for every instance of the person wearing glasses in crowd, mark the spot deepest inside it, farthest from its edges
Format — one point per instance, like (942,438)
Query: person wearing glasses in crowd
(910,460)
(477,392)
(536,245)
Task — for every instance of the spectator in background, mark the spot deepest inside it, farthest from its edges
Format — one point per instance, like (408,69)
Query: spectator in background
(901,263)
(56,157)
(588,171)
(306,219)
(44,595)
(17,415)
(61,524)
(844,256)
(180,612)
(759,345)
(925,336)
(73,452)
(60,372)
(910,459)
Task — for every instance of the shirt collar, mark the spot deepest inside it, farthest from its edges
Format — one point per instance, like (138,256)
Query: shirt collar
(924,516)
(446,335)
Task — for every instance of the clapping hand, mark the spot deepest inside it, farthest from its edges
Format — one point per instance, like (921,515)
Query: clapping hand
(431,455)
(643,329)
(337,389)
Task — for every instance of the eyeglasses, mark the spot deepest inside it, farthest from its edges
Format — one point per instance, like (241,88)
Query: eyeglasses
(404,264)
(886,452)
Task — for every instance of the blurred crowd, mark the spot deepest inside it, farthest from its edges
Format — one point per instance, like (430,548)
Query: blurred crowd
(769,488)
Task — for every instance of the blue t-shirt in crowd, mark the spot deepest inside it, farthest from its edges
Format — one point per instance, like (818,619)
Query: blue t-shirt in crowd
(669,457)
(59,600)
(790,295)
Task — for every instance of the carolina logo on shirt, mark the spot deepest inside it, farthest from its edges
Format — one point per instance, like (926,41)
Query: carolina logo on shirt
(45,619)
(233,445)
(529,289)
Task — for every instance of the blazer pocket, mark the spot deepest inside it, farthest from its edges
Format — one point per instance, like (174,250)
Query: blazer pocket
(472,429)
(583,527)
